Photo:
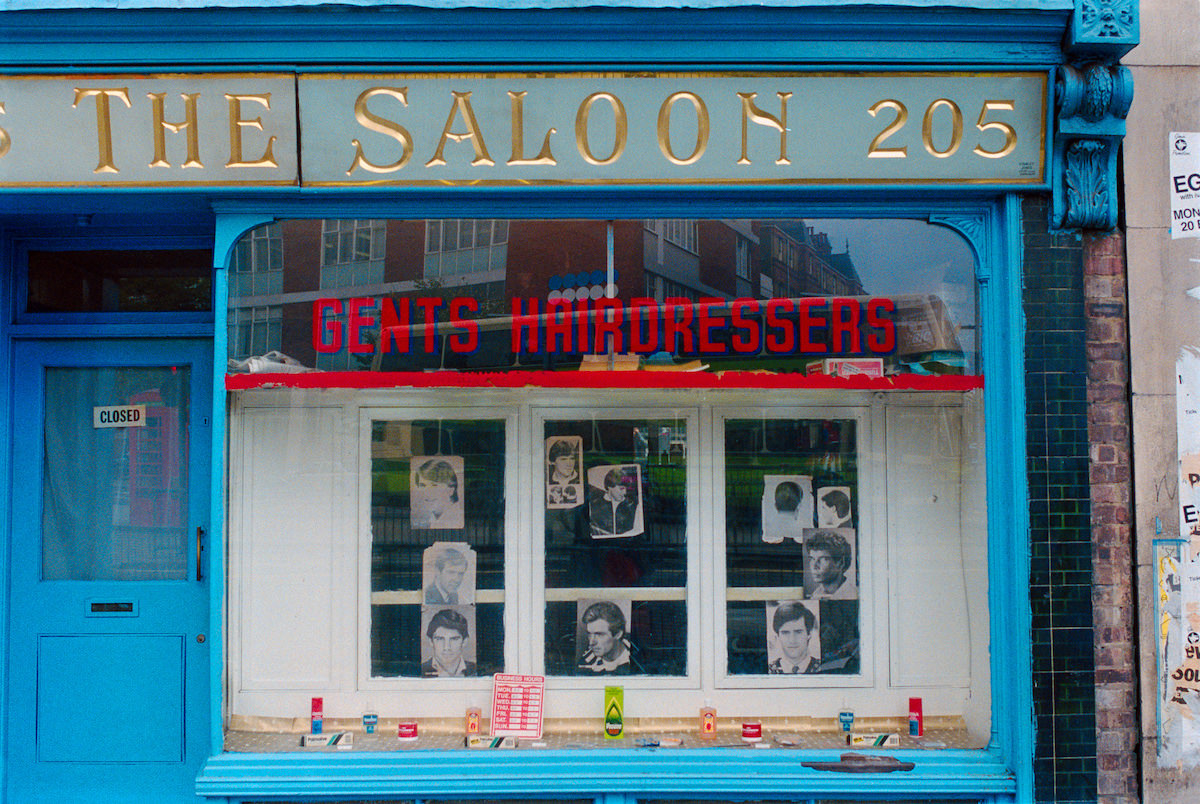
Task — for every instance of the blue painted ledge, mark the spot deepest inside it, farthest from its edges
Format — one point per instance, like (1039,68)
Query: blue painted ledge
(531,773)
(23,5)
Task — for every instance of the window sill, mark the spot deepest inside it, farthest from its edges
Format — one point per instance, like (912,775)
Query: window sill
(666,772)
(599,379)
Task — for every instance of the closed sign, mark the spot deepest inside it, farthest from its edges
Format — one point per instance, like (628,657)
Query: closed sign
(119,416)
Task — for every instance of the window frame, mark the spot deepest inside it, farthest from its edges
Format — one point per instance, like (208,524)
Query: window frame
(991,224)
(514,578)
(525,413)
(539,415)
(867,418)
(181,323)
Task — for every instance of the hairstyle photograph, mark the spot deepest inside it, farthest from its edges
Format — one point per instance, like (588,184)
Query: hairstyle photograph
(564,472)
(833,507)
(602,636)
(793,637)
(436,491)
(787,507)
(829,566)
(448,573)
(615,501)
(448,641)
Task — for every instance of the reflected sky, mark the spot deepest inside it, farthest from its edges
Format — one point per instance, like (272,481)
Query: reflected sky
(909,256)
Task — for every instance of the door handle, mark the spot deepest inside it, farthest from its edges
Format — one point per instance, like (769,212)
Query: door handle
(199,551)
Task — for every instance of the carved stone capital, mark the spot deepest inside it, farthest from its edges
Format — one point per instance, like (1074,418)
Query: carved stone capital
(1093,98)
(1105,29)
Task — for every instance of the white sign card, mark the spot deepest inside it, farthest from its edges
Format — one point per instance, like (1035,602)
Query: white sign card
(119,416)
(1187,417)
(1184,175)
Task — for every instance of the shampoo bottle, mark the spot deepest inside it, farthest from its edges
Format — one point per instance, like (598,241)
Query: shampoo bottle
(708,721)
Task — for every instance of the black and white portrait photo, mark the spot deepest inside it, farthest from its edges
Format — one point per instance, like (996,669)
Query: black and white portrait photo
(793,637)
(564,471)
(447,641)
(839,636)
(436,491)
(615,500)
(833,507)
(602,636)
(787,507)
(448,573)
(829,570)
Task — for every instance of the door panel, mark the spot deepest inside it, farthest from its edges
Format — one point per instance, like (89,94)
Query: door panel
(93,704)
(108,660)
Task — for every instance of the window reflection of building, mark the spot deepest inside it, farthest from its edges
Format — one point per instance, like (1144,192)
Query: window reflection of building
(696,259)
(742,267)
(282,269)
(352,252)
(256,272)
(152,493)
(800,261)
(682,233)
(254,330)
(257,265)
(660,288)
(465,247)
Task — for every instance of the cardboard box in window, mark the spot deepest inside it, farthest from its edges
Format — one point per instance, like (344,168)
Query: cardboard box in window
(923,325)
(848,367)
(610,362)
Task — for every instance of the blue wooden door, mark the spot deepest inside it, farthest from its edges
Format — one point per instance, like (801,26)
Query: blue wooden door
(108,650)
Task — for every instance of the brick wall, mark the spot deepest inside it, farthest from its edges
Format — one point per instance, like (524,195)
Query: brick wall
(1113,606)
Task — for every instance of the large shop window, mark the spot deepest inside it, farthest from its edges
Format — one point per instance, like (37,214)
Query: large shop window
(736,462)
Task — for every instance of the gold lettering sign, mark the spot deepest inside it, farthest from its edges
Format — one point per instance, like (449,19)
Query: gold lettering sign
(955,131)
(103,122)
(752,114)
(461,105)
(1010,134)
(875,150)
(149,131)
(190,125)
(664,128)
(5,139)
(544,157)
(236,124)
(620,134)
(413,130)
(380,125)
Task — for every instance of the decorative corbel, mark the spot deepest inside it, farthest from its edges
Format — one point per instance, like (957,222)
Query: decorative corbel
(1092,102)
(1092,97)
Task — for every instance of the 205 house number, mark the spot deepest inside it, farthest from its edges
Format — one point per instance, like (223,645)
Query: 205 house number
(876,150)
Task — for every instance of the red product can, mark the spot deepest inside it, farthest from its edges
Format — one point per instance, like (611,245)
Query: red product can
(318,714)
(752,732)
(407,730)
(916,718)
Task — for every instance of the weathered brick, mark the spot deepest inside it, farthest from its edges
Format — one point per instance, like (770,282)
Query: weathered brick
(1097,286)
(1116,474)
(1105,351)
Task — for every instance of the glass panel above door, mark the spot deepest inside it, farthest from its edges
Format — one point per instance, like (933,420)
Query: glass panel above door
(126,281)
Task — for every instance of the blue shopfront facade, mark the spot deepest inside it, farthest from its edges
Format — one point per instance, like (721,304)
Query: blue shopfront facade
(197,203)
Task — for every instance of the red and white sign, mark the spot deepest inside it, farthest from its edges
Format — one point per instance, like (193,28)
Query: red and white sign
(517,706)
